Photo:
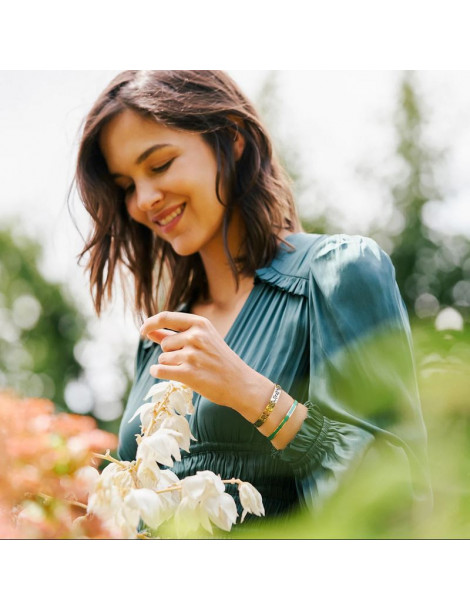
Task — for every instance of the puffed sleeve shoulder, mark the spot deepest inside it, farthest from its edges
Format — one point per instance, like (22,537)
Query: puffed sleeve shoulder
(362,383)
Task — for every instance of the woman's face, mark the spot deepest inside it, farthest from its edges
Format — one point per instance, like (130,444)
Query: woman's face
(168,177)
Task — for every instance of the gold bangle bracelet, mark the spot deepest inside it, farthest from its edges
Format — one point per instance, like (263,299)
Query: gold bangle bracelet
(269,407)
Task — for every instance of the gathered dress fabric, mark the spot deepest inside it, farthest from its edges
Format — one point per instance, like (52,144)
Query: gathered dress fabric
(326,321)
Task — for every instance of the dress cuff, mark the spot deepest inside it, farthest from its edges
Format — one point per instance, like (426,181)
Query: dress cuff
(307,442)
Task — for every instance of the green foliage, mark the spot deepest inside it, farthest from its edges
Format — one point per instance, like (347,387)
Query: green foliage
(372,502)
(39,325)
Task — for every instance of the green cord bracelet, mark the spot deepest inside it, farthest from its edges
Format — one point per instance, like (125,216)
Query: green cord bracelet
(283,422)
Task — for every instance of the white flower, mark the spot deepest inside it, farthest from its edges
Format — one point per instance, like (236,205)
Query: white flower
(176,397)
(88,477)
(189,517)
(146,412)
(161,446)
(113,485)
(202,485)
(126,520)
(107,499)
(116,476)
(169,479)
(104,501)
(155,508)
(179,424)
(182,399)
(179,396)
(148,473)
(150,476)
(152,507)
(158,390)
(204,500)
(251,500)
(221,510)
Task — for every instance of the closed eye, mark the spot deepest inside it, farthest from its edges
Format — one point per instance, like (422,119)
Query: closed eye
(155,170)
(162,168)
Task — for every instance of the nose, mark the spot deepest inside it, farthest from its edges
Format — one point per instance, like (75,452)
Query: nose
(148,196)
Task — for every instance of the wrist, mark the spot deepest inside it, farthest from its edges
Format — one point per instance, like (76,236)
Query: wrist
(284,422)
(254,396)
(252,400)
(290,429)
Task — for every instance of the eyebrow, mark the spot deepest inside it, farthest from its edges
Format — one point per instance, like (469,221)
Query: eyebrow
(141,158)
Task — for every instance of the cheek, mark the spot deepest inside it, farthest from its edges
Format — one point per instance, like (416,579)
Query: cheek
(196,177)
(134,212)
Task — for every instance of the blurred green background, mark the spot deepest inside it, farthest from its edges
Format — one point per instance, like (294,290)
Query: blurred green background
(45,332)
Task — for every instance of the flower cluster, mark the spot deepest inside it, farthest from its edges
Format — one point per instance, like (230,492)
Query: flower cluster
(127,493)
(45,470)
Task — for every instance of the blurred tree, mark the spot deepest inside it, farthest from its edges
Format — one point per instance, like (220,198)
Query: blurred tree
(432,268)
(39,326)
(268,104)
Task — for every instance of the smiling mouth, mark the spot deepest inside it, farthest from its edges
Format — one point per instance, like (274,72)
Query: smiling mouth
(167,219)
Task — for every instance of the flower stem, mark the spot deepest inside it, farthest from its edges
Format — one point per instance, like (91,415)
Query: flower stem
(178,487)
(173,488)
(79,504)
(109,458)
(158,407)
(232,481)
(71,502)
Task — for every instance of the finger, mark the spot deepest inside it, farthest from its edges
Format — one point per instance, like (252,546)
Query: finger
(173,320)
(171,358)
(176,341)
(170,373)
(159,335)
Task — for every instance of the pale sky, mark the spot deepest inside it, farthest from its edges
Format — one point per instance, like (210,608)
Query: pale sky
(336,121)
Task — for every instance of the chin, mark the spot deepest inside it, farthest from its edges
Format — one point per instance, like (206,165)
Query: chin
(184,248)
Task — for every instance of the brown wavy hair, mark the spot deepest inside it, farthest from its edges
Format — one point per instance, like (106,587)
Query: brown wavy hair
(208,102)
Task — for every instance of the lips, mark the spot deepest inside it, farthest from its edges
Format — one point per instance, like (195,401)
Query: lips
(166,216)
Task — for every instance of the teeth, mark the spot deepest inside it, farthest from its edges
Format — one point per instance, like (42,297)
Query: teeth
(170,217)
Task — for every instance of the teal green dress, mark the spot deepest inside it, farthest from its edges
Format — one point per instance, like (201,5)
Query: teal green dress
(326,321)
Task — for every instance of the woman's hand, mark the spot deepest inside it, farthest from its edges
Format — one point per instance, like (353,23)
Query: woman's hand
(195,354)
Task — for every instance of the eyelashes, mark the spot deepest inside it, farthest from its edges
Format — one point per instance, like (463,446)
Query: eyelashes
(160,169)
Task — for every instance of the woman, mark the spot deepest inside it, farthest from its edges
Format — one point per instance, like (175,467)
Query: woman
(296,346)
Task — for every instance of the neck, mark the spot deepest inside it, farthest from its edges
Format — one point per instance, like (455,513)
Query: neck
(222,287)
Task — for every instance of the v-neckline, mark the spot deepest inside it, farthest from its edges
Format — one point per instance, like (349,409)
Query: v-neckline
(185,307)
(248,299)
